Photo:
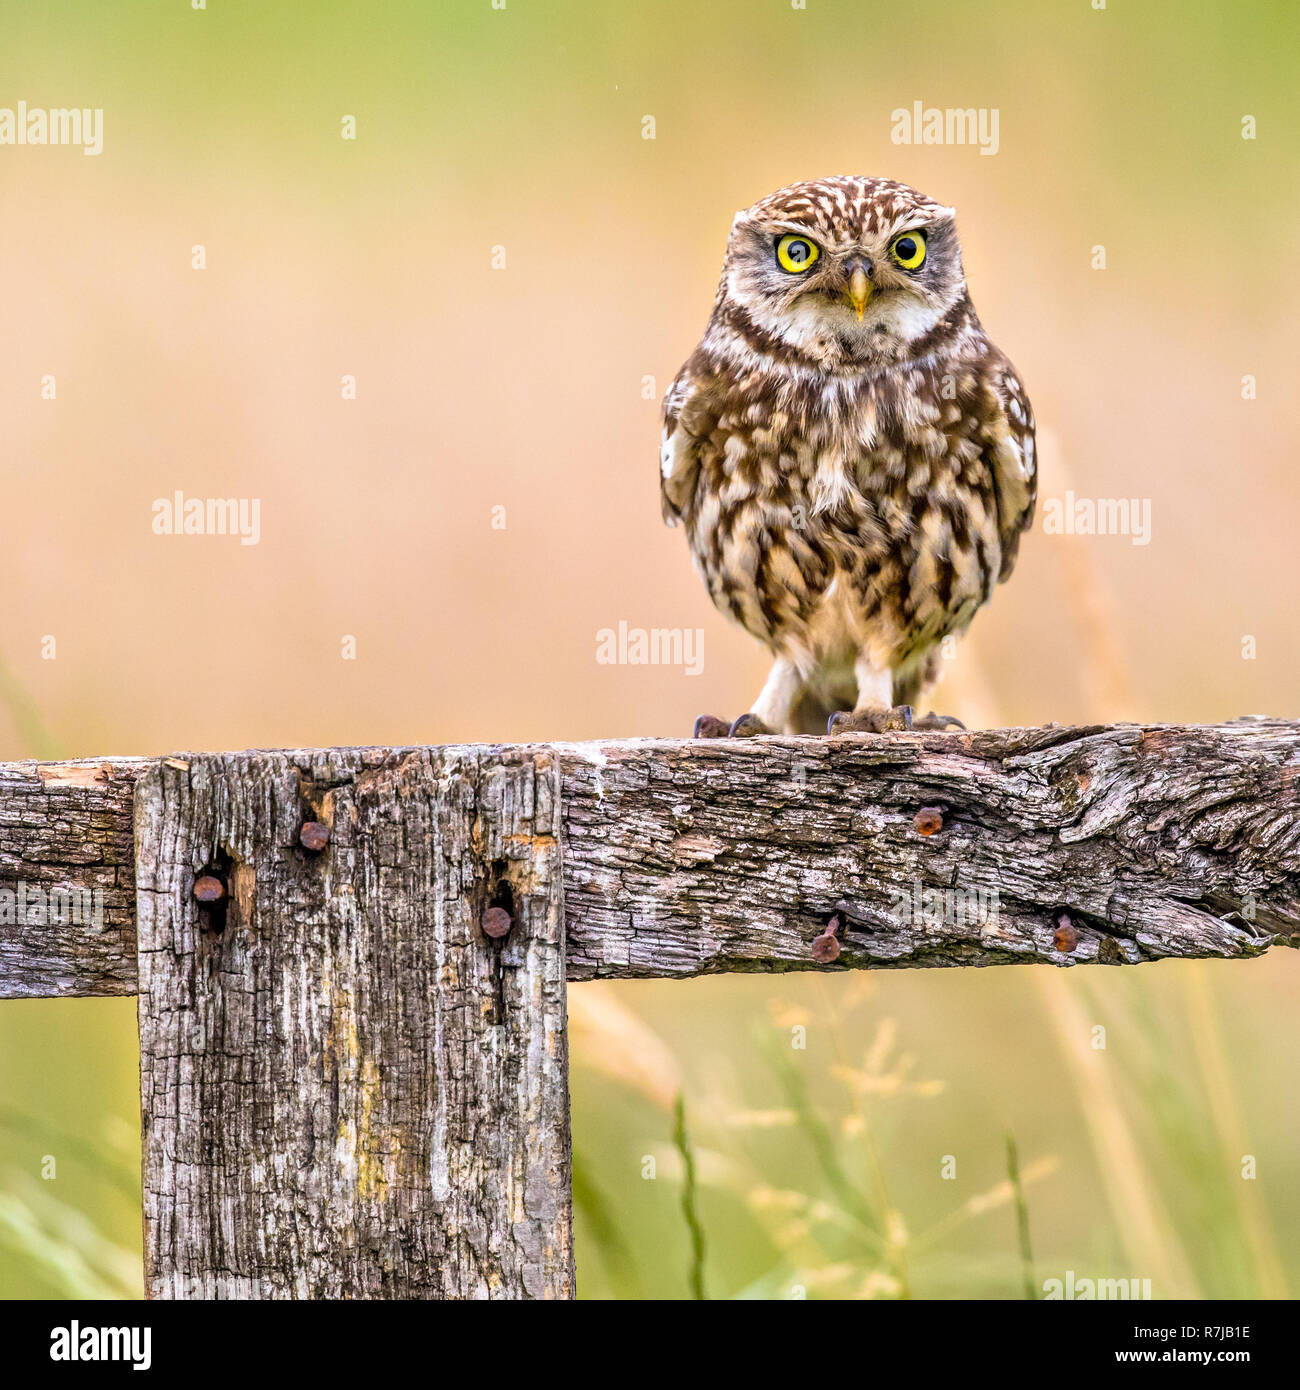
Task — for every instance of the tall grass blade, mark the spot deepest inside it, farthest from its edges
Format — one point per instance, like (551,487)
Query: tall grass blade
(689,1211)
(1022,1220)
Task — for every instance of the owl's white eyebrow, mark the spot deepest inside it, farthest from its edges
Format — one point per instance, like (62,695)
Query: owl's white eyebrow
(797,227)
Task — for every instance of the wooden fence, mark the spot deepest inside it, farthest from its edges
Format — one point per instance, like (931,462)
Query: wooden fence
(351,963)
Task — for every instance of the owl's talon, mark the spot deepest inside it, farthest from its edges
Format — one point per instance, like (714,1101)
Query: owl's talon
(871,721)
(710,726)
(748,726)
(937,723)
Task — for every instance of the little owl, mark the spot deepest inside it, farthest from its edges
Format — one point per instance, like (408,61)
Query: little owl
(852,458)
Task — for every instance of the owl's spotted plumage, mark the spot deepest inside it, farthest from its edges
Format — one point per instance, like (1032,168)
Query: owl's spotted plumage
(852,458)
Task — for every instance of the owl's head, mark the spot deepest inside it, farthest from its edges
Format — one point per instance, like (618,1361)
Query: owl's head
(845,270)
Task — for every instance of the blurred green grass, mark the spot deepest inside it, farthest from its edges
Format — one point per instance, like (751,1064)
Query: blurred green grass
(820,1167)
(872,1160)
(70,1204)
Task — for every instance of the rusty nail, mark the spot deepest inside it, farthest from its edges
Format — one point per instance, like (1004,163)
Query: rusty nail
(826,947)
(208,889)
(496,922)
(314,836)
(1065,938)
(927,820)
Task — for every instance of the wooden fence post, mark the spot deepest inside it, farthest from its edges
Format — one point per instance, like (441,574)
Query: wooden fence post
(348,1088)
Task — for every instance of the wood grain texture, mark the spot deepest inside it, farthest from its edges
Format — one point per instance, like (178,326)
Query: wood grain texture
(1112,845)
(66,828)
(685,857)
(347,1089)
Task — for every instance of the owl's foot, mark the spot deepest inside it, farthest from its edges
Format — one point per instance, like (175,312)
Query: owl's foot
(936,723)
(871,721)
(710,726)
(747,726)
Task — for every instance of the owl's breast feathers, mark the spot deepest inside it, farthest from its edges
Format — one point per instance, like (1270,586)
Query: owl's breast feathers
(873,511)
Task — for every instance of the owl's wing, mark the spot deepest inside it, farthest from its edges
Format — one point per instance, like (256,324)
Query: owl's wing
(1015,463)
(679,454)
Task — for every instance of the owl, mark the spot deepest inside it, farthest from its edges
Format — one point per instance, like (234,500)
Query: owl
(851,458)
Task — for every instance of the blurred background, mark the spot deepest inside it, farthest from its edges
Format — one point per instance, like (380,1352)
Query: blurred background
(511,272)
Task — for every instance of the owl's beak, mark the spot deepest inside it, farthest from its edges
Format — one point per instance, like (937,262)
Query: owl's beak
(859,289)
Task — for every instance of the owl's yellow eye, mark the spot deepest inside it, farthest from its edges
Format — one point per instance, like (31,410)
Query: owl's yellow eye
(796,253)
(909,250)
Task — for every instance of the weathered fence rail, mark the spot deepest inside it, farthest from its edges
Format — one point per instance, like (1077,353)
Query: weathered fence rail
(353,1049)
(686,857)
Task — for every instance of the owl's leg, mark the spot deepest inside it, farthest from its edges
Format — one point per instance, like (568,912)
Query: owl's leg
(873,712)
(770,712)
(776,701)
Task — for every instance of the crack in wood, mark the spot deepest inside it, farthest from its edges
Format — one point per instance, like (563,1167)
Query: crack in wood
(350,1091)
(690,857)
